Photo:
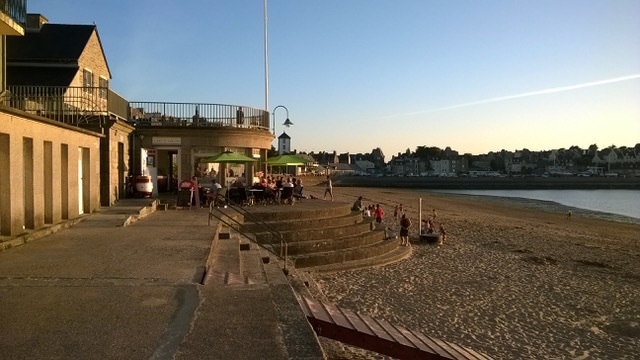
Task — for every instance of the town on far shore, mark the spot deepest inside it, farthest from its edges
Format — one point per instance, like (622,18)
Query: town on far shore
(431,161)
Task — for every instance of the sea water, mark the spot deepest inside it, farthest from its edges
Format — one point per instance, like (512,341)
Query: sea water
(620,202)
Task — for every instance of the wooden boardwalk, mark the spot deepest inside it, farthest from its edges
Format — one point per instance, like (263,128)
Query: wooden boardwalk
(365,332)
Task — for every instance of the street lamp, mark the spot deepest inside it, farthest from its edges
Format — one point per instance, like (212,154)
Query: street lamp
(286,123)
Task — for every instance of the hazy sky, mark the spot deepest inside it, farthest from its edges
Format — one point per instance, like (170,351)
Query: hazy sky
(478,76)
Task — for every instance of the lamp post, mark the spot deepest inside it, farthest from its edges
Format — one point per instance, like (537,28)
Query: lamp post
(286,123)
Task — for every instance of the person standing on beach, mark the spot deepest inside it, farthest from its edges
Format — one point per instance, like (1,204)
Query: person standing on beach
(328,189)
(404,230)
(395,213)
(434,214)
(378,214)
(443,234)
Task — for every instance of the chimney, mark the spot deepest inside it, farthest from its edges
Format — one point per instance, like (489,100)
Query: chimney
(35,22)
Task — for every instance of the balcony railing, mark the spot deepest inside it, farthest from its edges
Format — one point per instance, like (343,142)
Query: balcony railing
(15,9)
(69,105)
(194,114)
(80,105)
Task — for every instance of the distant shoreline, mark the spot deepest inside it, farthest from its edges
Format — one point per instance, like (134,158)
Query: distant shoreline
(492,183)
(550,207)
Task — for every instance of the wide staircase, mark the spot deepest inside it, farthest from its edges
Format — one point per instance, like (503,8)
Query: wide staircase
(252,303)
(324,236)
(257,274)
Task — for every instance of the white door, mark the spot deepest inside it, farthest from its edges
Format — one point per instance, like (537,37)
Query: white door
(80,187)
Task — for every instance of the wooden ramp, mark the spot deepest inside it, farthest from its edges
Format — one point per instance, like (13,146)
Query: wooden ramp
(380,336)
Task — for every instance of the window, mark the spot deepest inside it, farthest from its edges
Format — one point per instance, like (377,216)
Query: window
(87,80)
(104,87)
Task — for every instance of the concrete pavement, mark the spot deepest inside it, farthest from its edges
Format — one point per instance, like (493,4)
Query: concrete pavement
(100,290)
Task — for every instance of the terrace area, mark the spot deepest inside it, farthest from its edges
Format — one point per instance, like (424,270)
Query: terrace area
(80,105)
(195,114)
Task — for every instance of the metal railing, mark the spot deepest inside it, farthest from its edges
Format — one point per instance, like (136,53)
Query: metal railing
(67,104)
(16,9)
(76,105)
(283,252)
(197,114)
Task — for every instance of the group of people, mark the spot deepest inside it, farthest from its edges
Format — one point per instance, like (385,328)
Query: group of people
(273,188)
(429,227)
(369,211)
(402,219)
(377,213)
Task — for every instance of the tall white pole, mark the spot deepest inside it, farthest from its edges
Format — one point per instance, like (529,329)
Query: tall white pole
(420,217)
(266,61)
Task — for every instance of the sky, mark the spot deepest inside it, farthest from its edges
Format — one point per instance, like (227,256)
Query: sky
(354,75)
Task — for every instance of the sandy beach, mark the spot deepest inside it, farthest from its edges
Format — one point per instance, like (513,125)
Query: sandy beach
(515,279)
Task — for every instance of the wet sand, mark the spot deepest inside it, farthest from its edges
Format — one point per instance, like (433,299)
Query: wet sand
(515,279)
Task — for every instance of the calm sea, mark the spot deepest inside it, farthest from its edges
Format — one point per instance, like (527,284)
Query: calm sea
(620,202)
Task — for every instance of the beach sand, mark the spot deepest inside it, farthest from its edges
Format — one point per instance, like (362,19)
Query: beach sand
(515,279)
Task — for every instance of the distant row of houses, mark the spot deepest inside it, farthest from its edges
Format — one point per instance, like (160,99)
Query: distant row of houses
(573,160)
(622,160)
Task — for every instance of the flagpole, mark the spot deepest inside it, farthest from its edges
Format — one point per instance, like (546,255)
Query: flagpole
(266,60)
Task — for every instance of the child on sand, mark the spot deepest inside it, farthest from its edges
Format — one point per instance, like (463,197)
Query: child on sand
(443,234)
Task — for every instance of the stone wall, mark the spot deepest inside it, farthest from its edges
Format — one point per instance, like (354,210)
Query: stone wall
(49,172)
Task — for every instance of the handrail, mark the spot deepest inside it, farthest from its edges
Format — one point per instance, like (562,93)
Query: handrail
(284,245)
(197,114)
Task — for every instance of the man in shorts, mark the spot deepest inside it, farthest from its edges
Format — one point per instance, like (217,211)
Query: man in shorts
(328,189)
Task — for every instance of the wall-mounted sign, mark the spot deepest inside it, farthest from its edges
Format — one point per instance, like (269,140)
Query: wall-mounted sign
(165,140)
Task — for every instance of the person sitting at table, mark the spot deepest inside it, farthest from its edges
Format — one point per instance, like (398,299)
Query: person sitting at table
(270,183)
(288,183)
(278,187)
(269,195)
(237,183)
(287,192)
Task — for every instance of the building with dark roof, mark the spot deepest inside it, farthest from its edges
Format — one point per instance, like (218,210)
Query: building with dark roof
(70,144)
(56,55)
(49,171)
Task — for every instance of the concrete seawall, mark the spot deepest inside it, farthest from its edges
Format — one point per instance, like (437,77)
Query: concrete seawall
(492,183)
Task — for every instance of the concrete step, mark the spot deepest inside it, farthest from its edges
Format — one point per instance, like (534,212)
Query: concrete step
(312,210)
(398,254)
(226,253)
(350,241)
(252,264)
(329,231)
(345,255)
(330,221)
(234,261)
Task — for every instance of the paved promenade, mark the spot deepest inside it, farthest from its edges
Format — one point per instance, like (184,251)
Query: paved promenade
(100,290)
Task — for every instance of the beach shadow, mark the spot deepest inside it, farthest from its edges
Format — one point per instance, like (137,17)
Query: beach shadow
(593,264)
(540,260)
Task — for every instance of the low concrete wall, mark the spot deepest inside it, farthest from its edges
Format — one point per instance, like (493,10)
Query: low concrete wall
(491,183)
(49,172)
